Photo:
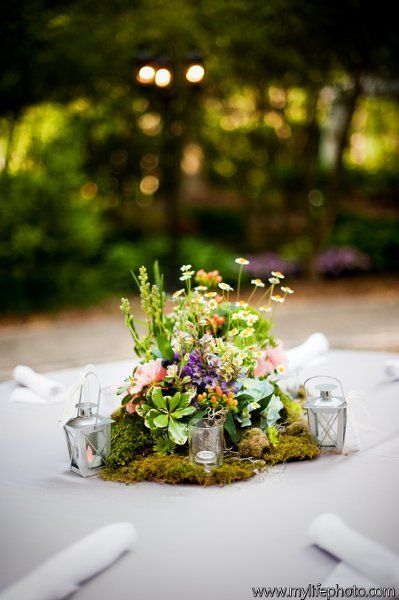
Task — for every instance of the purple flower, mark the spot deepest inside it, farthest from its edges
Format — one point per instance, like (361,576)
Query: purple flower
(335,261)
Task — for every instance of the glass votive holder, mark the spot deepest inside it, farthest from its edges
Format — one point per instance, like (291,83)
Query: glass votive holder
(206,444)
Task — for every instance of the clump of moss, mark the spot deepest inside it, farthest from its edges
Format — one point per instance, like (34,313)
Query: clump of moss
(292,410)
(297,427)
(292,447)
(253,443)
(129,437)
(178,470)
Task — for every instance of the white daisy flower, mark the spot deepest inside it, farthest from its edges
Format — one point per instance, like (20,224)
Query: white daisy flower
(265,308)
(257,282)
(241,314)
(178,293)
(280,369)
(233,332)
(187,275)
(242,261)
(287,290)
(200,288)
(212,304)
(274,280)
(277,298)
(278,274)
(247,332)
(251,319)
(225,287)
(241,304)
(185,268)
(210,295)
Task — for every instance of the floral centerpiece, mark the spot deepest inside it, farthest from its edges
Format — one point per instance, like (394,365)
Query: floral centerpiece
(206,353)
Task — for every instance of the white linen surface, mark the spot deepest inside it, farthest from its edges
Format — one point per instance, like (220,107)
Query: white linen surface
(371,559)
(39,385)
(344,576)
(185,548)
(61,575)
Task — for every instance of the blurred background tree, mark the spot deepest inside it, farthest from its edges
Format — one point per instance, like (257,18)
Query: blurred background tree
(288,150)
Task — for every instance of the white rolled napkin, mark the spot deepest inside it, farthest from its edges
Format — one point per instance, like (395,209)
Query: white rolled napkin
(391,370)
(369,558)
(61,575)
(24,395)
(39,385)
(314,347)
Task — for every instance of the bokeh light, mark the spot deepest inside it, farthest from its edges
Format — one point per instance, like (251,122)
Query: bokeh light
(163,77)
(195,73)
(146,75)
(149,185)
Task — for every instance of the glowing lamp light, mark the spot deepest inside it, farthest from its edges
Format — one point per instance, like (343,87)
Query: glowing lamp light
(146,75)
(149,185)
(195,73)
(163,77)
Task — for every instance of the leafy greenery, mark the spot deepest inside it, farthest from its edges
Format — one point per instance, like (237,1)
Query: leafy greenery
(165,412)
(246,161)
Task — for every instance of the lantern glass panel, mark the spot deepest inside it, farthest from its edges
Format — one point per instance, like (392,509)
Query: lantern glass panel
(326,407)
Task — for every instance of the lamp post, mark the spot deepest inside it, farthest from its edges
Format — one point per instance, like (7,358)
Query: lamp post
(172,88)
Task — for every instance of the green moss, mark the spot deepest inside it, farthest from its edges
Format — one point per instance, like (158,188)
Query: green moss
(179,470)
(292,447)
(292,410)
(253,443)
(129,437)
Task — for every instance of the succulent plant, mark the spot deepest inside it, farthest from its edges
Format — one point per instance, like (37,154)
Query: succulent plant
(168,413)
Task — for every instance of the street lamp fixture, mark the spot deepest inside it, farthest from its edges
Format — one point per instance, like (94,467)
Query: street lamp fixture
(157,71)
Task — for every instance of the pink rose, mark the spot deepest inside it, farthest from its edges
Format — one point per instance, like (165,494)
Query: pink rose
(147,374)
(270,360)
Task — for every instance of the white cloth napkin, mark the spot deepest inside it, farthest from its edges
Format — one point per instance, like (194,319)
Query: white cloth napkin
(391,370)
(314,347)
(37,389)
(369,558)
(61,575)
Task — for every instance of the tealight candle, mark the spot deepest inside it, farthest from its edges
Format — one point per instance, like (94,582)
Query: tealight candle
(205,457)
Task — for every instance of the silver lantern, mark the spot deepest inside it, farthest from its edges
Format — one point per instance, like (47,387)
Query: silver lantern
(88,434)
(326,408)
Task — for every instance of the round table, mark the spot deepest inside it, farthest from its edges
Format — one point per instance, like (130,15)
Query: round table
(195,542)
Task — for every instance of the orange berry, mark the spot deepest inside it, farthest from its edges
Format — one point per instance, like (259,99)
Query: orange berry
(214,399)
(210,390)
(218,390)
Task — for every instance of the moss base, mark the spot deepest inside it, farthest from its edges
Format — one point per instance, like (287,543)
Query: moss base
(178,470)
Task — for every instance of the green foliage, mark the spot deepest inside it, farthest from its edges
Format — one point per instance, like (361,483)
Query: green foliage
(378,238)
(167,413)
(129,437)
(163,445)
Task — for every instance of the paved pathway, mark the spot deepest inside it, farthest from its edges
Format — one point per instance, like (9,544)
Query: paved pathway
(364,320)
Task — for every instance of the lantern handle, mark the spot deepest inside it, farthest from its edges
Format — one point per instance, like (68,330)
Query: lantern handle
(86,375)
(326,377)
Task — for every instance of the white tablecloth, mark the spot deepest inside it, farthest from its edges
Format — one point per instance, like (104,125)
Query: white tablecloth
(198,542)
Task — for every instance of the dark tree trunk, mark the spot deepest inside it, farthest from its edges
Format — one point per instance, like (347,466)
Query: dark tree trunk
(322,225)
